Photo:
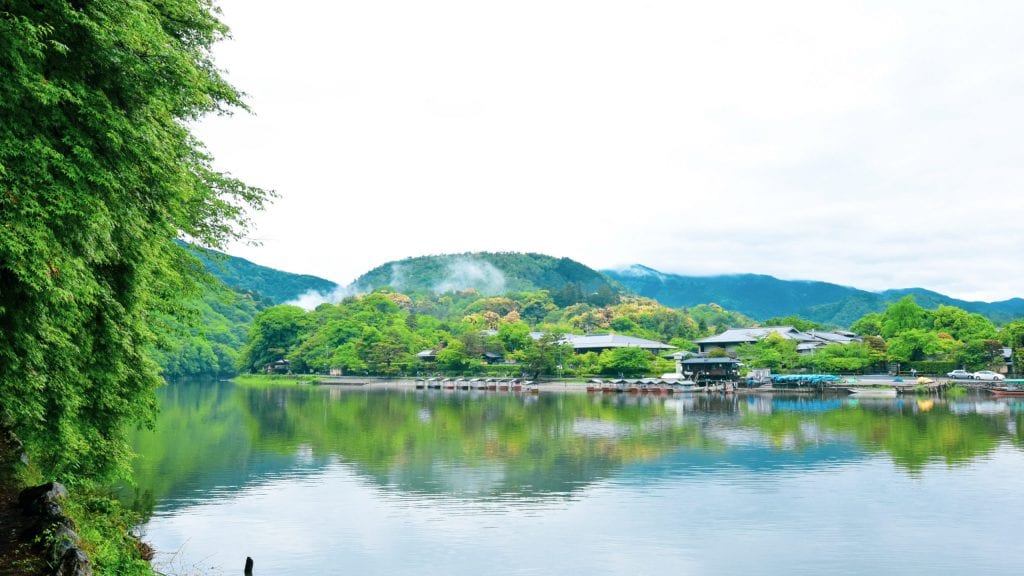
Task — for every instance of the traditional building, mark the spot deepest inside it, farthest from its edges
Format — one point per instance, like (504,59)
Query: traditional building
(807,342)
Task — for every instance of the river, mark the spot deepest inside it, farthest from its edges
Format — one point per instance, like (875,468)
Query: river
(332,480)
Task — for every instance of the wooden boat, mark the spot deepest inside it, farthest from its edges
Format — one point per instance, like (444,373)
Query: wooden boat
(594,385)
(998,391)
(872,392)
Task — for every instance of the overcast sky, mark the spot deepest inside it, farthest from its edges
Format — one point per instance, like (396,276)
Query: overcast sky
(872,144)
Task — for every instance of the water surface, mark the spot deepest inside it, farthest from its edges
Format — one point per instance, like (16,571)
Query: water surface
(313,480)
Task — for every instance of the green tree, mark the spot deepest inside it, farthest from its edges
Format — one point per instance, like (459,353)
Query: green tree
(544,355)
(515,336)
(99,175)
(274,333)
(903,316)
(626,361)
(868,325)
(453,358)
(962,325)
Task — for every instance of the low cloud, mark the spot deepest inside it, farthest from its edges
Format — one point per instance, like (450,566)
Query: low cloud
(313,298)
(464,273)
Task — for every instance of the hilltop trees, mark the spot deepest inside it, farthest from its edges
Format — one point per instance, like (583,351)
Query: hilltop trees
(98,177)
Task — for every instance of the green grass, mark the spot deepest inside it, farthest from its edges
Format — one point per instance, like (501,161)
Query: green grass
(258,380)
(105,528)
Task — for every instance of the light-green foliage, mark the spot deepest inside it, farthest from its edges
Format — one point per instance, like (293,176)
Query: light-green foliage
(626,361)
(98,176)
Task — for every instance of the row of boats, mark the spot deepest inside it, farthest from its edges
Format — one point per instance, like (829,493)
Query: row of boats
(495,384)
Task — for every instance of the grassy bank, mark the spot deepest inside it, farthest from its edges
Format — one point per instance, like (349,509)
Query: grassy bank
(257,380)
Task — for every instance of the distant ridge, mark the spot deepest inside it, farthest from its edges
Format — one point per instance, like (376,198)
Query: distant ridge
(489,273)
(268,284)
(762,297)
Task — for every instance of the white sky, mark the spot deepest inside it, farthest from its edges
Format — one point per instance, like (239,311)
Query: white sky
(872,144)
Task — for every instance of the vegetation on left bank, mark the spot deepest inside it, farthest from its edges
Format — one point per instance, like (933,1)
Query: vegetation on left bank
(99,177)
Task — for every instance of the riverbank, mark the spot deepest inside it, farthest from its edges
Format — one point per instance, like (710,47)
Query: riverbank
(17,558)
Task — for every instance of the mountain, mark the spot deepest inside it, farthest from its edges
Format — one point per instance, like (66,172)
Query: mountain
(755,295)
(763,297)
(225,310)
(269,285)
(489,273)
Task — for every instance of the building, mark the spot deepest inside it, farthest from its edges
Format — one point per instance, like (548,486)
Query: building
(702,369)
(807,342)
(601,342)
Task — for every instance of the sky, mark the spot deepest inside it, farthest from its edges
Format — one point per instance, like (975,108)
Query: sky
(871,144)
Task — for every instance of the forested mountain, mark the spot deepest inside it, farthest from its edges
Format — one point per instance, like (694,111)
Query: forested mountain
(489,273)
(763,297)
(238,291)
(265,284)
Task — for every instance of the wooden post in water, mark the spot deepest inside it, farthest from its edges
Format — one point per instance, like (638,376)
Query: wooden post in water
(248,566)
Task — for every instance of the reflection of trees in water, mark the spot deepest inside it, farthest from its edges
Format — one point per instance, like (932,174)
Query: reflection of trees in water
(510,446)
(483,445)
(914,433)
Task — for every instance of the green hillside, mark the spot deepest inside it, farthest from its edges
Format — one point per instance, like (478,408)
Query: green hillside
(237,291)
(267,284)
(489,273)
(762,297)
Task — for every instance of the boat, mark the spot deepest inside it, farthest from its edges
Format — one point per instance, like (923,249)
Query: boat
(872,392)
(1014,387)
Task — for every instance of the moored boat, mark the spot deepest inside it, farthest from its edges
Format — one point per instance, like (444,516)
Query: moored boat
(1014,387)
(872,392)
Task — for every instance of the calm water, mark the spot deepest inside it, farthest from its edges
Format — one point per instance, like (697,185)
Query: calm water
(329,481)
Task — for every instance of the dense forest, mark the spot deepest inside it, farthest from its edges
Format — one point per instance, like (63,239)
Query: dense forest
(906,335)
(381,333)
(492,274)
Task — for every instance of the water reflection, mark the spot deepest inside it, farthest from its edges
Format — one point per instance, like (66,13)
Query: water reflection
(212,439)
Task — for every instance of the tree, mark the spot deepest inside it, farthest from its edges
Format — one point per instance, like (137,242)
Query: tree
(515,336)
(544,355)
(903,316)
(626,361)
(868,325)
(274,333)
(453,358)
(99,175)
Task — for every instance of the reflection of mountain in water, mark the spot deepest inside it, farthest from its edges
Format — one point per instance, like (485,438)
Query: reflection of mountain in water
(216,438)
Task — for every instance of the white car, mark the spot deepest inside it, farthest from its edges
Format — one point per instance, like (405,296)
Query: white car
(987,375)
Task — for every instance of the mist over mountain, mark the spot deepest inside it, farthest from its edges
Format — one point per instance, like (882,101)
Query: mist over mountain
(267,284)
(761,296)
(489,273)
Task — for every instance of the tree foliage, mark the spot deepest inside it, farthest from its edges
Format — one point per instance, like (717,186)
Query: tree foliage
(98,177)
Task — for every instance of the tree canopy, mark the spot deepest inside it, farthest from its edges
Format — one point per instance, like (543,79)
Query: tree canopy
(99,175)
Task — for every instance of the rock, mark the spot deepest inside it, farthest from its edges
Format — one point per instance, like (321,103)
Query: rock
(64,540)
(74,563)
(43,501)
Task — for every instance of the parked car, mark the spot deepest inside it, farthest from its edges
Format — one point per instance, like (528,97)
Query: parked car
(963,374)
(987,375)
